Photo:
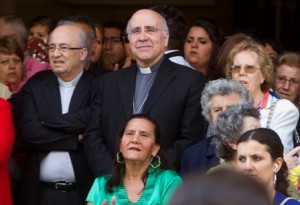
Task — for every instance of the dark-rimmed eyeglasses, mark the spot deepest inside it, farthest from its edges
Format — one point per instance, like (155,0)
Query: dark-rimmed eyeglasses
(283,80)
(62,48)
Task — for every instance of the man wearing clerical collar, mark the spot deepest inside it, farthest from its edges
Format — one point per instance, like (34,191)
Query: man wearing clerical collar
(52,123)
(153,86)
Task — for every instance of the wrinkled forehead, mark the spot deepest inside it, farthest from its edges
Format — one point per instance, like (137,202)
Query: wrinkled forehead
(145,18)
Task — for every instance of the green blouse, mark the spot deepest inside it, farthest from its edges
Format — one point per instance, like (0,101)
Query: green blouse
(159,187)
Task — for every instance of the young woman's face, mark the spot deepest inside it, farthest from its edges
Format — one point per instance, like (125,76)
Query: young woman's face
(198,48)
(255,160)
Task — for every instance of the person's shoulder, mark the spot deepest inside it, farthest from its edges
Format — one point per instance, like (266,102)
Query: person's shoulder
(182,68)
(119,73)
(40,78)
(4,103)
(224,165)
(167,174)
(41,75)
(103,179)
(286,105)
(280,198)
(88,76)
(198,147)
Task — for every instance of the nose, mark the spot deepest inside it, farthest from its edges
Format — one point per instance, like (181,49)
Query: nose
(142,35)
(286,84)
(57,52)
(242,71)
(135,138)
(194,44)
(11,64)
(248,165)
(107,44)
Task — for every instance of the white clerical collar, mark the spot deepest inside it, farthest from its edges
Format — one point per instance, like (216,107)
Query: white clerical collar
(71,83)
(145,70)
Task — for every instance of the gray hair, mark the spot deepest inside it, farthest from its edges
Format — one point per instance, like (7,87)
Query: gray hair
(222,87)
(88,37)
(229,126)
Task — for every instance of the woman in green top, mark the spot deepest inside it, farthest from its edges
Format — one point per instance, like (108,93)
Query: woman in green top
(138,175)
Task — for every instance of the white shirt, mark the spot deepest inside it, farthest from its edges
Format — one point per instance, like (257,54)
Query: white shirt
(57,165)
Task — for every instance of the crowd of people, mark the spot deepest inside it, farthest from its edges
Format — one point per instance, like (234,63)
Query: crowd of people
(154,110)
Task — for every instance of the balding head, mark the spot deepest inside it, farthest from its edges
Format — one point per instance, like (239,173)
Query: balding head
(148,36)
(67,51)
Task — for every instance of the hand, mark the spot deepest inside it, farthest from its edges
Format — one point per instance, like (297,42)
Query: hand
(291,158)
(116,67)
(37,49)
(128,62)
(80,137)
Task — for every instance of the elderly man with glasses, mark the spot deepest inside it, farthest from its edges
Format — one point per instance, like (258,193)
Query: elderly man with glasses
(168,92)
(287,82)
(54,104)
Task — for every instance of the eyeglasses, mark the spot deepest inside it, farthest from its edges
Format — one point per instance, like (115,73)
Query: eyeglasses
(62,48)
(283,80)
(247,68)
(148,30)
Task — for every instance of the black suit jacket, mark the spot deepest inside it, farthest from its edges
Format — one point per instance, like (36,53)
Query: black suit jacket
(173,101)
(43,128)
(200,157)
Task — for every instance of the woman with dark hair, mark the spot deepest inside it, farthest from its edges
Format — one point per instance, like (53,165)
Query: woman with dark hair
(139,174)
(202,45)
(260,155)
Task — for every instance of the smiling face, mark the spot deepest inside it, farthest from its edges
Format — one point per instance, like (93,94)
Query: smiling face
(249,74)
(146,37)
(138,141)
(198,48)
(255,160)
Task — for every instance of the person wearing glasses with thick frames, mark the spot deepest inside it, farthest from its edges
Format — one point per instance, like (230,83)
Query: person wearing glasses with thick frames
(54,115)
(249,63)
